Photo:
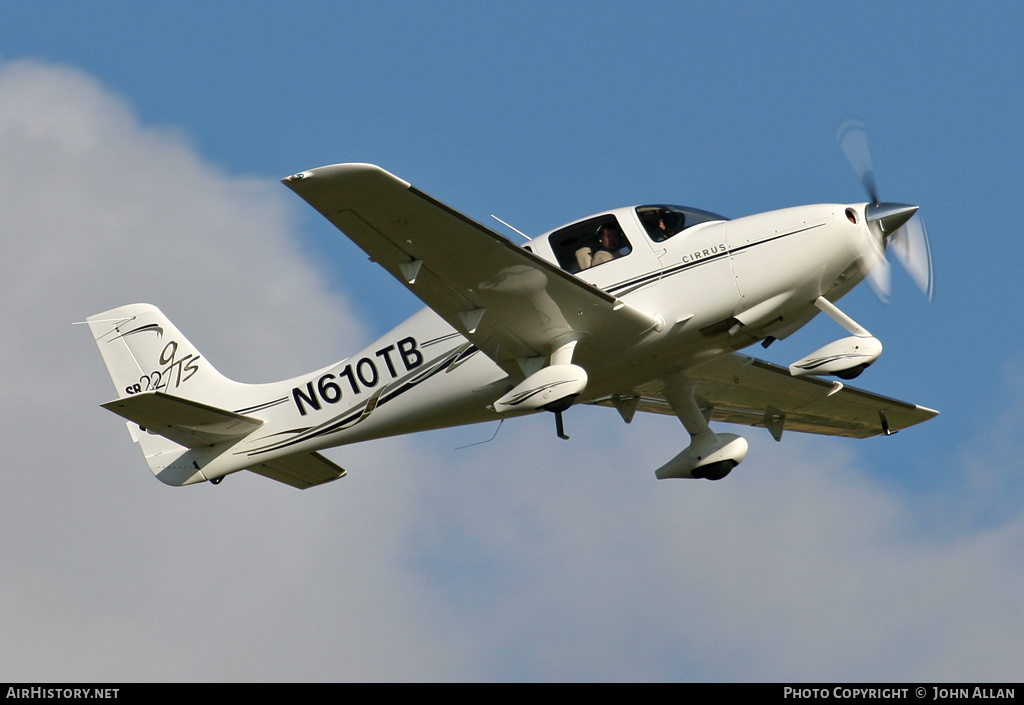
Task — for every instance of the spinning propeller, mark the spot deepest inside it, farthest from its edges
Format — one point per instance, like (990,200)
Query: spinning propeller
(892,225)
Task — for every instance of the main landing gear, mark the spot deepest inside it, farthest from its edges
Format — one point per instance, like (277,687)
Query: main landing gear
(710,455)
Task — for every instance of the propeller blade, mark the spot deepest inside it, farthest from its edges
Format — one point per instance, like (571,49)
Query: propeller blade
(875,267)
(911,247)
(853,139)
(890,225)
(879,280)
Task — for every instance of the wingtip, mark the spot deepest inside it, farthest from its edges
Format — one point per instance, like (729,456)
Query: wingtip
(297,177)
(335,172)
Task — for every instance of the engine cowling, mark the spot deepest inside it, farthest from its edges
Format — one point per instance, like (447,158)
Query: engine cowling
(710,456)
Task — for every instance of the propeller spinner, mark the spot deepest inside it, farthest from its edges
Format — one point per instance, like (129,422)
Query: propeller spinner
(893,225)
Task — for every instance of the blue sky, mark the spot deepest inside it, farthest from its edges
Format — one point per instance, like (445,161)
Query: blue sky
(141,148)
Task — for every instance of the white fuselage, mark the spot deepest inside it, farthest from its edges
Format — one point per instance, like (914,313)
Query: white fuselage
(716,287)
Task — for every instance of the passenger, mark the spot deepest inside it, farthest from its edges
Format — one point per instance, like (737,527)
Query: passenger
(608,247)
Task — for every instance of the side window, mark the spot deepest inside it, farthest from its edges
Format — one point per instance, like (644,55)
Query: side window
(661,223)
(589,244)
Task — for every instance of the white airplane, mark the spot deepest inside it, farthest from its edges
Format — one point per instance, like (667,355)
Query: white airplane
(640,308)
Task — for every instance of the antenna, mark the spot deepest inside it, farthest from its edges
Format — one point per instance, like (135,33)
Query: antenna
(480,443)
(527,237)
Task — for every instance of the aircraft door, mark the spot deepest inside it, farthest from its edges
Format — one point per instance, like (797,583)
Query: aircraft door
(693,253)
(697,263)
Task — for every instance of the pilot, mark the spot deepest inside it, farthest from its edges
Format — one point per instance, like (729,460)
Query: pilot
(609,246)
(659,230)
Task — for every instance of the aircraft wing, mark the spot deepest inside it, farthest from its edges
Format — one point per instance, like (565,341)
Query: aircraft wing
(752,392)
(507,301)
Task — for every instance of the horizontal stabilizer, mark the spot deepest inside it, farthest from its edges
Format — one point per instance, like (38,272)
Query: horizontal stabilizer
(187,423)
(301,471)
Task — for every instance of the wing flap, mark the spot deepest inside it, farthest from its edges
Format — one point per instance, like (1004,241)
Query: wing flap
(744,390)
(507,301)
(187,423)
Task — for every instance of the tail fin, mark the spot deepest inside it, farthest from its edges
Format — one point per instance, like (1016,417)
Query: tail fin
(170,394)
(177,404)
(145,352)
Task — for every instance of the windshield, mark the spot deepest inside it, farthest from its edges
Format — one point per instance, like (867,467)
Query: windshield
(663,221)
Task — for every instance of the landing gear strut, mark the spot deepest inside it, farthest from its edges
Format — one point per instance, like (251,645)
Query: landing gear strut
(710,455)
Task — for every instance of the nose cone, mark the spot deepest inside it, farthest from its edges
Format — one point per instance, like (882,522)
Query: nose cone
(887,218)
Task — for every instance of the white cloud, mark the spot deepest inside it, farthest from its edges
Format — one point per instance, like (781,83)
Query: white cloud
(523,558)
(795,567)
(107,575)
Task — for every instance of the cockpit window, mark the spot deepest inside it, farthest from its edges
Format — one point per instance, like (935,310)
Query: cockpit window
(589,243)
(662,222)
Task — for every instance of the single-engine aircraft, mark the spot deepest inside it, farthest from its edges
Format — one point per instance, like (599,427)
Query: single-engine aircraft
(640,308)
